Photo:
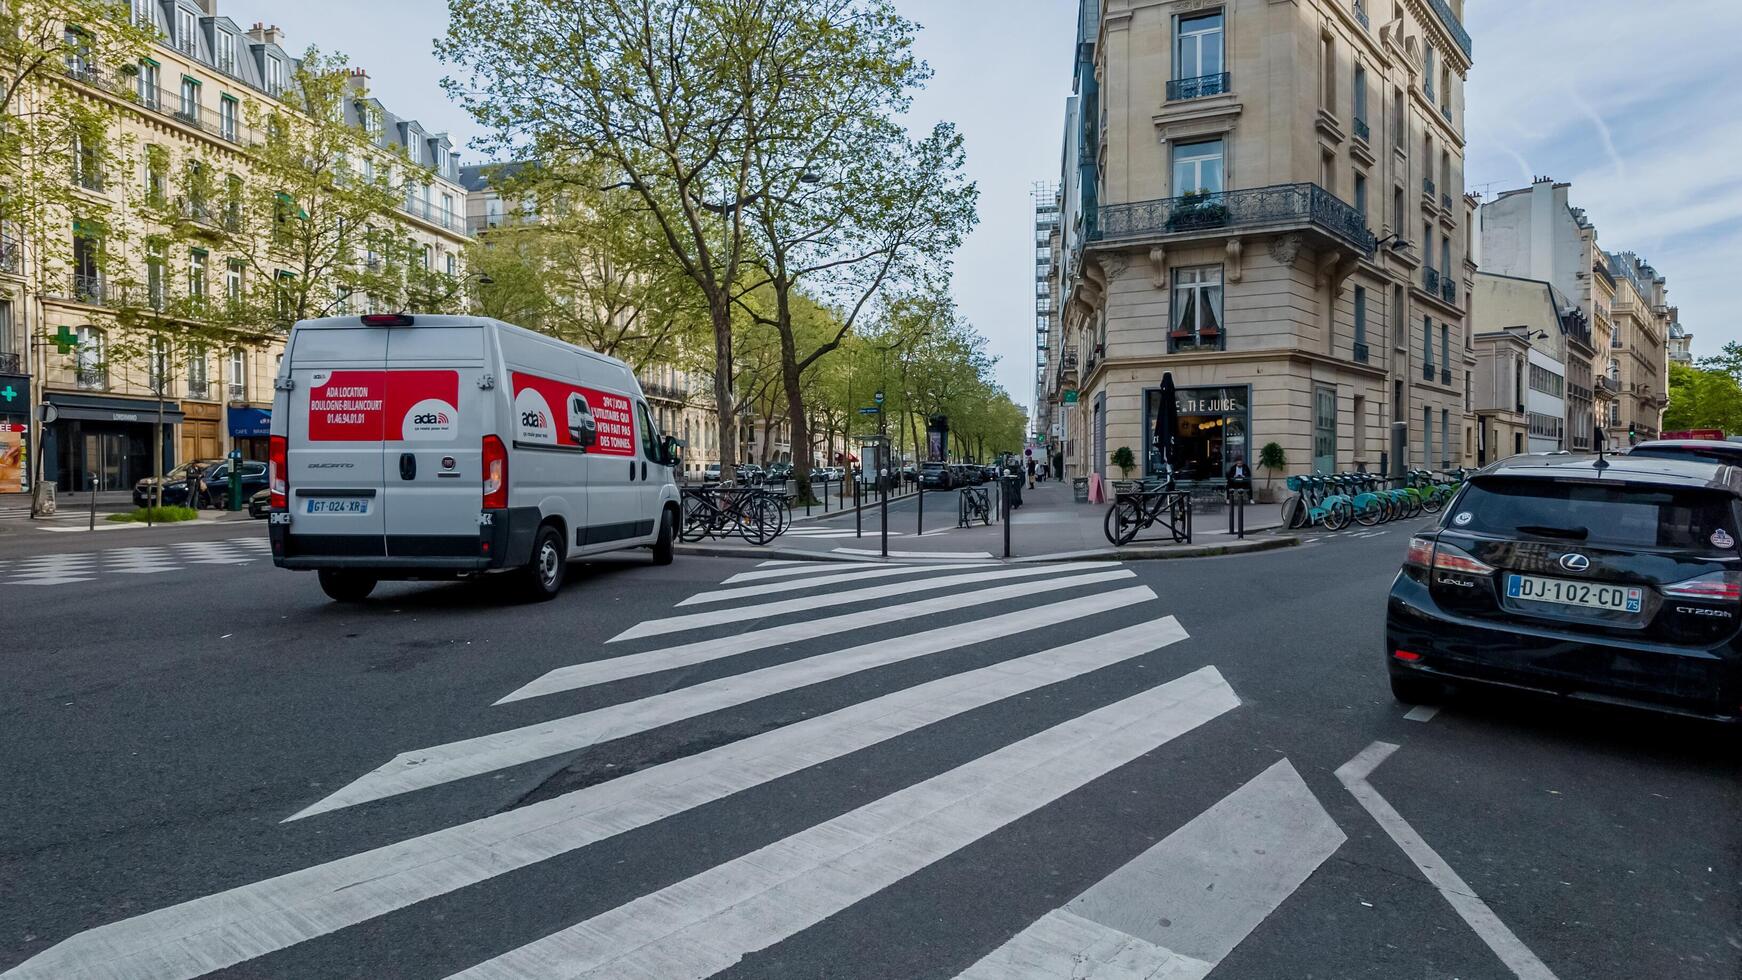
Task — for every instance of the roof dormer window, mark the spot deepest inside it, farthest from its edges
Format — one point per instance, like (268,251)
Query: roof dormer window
(274,76)
(224,51)
(185,26)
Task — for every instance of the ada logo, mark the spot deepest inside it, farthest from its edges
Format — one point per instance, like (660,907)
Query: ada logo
(430,420)
(532,416)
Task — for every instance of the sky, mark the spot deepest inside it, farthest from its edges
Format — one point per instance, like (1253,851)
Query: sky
(1641,120)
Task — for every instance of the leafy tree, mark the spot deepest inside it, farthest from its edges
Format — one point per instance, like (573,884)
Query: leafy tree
(1703,398)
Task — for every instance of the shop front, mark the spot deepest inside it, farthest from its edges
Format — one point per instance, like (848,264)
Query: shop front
(14,433)
(106,438)
(249,430)
(1210,435)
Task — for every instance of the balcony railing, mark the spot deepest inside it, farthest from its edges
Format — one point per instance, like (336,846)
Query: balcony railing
(10,254)
(238,392)
(1448,290)
(1452,24)
(92,378)
(1427,187)
(93,290)
(89,178)
(1608,385)
(1446,110)
(1430,280)
(1197,88)
(1280,204)
(1427,372)
(1445,376)
(1361,353)
(433,213)
(1363,132)
(1446,201)
(1616,343)
(198,389)
(1361,14)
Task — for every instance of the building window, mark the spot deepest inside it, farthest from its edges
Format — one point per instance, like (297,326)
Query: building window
(1427,435)
(1445,439)
(1445,347)
(1399,120)
(453,264)
(447,215)
(78,47)
(1427,244)
(1328,71)
(92,374)
(197,274)
(1361,102)
(156,181)
(284,299)
(142,12)
(149,75)
(1427,344)
(184,29)
(1427,72)
(1397,209)
(1361,323)
(1446,259)
(227,118)
(225,51)
(233,202)
(199,372)
(1445,90)
(1197,55)
(190,100)
(1361,195)
(238,377)
(156,257)
(1324,429)
(1197,168)
(1197,309)
(274,77)
(156,364)
(428,255)
(233,280)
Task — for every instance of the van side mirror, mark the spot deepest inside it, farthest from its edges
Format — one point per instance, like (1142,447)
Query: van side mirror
(672,451)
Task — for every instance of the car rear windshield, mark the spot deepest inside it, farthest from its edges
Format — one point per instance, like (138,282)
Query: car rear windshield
(1710,454)
(1627,515)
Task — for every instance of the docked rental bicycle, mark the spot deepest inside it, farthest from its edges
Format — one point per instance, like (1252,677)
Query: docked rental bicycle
(719,512)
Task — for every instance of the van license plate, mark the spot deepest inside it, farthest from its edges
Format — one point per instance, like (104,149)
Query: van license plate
(342,505)
(1565,592)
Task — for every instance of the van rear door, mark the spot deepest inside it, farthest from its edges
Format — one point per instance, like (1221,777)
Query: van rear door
(433,445)
(333,441)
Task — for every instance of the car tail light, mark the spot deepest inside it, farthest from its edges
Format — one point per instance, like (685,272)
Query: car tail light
(1450,559)
(1406,656)
(1420,554)
(495,474)
(277,484)
(1714,587)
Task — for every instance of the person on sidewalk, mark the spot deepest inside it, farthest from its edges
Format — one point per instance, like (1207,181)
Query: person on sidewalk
(1031,472)
(1240,478)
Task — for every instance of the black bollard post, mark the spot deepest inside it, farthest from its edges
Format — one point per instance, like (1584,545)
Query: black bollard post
(883,519)
(1004,506)
(858,519)
(919,525)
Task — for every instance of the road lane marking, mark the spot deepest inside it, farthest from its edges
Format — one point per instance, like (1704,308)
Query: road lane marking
(854,575)
(930,555)
(1184,904)
(720,617)
(707,923)
(798,568)
(423,768)
(1423,712)
(1475,912)
(230,927)
(592,672)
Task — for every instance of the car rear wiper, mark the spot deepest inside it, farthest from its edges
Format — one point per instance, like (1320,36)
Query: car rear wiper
(1571,533)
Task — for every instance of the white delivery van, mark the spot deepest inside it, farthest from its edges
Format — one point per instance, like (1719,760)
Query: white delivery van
(423,447)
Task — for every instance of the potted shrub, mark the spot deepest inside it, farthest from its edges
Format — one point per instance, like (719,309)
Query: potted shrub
(1125,460)
(1270,459)
(1198,209)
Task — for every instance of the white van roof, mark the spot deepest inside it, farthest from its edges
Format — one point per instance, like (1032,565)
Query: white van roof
(449,320)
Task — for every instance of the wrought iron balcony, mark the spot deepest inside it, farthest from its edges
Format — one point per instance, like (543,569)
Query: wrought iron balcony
(1197,88)
(1452,24)
(1430,280)
(1446,110)
(1427,187)
(1361,14)
(1448,290)
(1608,385)
(198,389)
(10,254)
(1446,201)
(1427,372)
(1363,132)
(1240,210)
(11,362)
(92,377)
(238,392)
(1445,376)
(1361,353)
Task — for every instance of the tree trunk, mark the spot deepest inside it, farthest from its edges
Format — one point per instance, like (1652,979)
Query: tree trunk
(720,312)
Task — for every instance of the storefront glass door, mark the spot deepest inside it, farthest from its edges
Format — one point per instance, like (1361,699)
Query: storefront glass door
(1324,430)
(1211,434)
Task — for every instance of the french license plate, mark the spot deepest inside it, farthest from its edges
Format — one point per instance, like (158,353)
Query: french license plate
(1565,592)
(342,505)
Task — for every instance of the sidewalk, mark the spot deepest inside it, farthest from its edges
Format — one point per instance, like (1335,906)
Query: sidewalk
(1050,526)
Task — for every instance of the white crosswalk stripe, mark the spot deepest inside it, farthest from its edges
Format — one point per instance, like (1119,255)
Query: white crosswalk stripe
(61,569)
(770,893)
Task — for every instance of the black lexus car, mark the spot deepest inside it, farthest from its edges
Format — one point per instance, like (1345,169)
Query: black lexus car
(1616,581)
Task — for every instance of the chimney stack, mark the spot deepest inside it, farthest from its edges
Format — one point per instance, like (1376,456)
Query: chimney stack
(261,34)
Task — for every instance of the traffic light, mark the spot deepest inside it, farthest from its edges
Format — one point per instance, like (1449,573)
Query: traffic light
(1632,434)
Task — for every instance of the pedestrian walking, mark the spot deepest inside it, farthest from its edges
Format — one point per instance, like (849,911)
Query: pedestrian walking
(1031,473)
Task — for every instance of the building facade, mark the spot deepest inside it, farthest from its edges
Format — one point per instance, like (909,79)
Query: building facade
(1268,205)
(184,109)
(1680,344)
(1638,367)
(1557,397)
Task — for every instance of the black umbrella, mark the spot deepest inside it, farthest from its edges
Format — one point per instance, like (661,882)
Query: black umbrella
(1166,423)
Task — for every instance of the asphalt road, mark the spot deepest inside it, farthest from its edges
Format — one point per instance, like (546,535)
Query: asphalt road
(823,772)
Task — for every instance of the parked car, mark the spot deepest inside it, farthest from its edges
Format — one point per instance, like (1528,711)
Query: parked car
(393,456)
(711,473)
(1707,449)
(778,473)
(988,473)
(215,484)
(177,476)
(260,504)
(937,476)
(910,474)
(1617,582)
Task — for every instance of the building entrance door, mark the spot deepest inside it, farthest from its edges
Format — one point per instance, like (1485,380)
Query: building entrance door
(1324,430)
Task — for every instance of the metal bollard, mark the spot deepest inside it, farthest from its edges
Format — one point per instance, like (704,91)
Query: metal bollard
(1004,503)
(858,518)
(883,529)
(919,525)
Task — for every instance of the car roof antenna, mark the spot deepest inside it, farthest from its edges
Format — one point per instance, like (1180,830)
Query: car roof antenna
(1601,464)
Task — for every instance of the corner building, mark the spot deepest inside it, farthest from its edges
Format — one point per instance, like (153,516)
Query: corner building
(1265,198)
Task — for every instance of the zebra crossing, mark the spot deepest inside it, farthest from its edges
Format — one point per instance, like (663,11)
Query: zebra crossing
(810,625)
(66,569)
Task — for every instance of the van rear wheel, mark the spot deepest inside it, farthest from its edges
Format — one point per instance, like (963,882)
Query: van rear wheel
(343,586)
(662,546)
(543,575)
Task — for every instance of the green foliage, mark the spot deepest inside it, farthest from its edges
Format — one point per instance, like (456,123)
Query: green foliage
(158,515)
(1125,460)
(1271,458)
(1706,397)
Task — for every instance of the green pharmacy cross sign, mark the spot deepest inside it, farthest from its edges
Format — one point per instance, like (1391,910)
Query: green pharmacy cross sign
(7,393)
(66,340)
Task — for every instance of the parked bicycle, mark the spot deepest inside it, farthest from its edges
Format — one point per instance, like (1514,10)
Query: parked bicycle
(1149,504)
(718,512)
(1337,500)
(973,504)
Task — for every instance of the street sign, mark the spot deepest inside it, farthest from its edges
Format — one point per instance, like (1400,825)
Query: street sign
(1070,396)
(878,398)
(870,410)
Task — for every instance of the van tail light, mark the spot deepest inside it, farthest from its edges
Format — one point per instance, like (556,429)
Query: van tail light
(495,474)
(277,484)
(1713,587)
(1450,559)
